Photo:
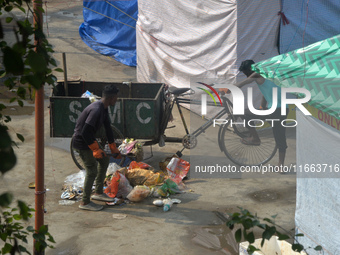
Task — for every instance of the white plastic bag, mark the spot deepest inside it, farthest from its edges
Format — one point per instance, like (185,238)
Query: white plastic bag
(124,187)
(112,168)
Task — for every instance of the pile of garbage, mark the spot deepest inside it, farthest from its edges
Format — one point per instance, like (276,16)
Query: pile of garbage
(135,182)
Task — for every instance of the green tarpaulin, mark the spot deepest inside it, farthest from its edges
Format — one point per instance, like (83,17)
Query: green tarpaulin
(315,67)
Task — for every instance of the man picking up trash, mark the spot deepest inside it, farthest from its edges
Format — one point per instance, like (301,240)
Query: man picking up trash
(94,158)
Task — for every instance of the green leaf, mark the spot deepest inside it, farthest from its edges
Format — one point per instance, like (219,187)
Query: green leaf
(9,83)
(268,220)
(251,249)
(8,8)
(238,235)
(282,236)
(20,103)
(2,73)
(51,79)
(30,229)
(318,248)
(230,226)
(17,217)
(274,216)
(50,239)
(7,118)
(43,229)
(24,211)
(41,9)
(300,234)
(35,80)
(53,62)
(21,92)
(6,199)
(2,106)
(268,233)
(250,237)
(37,61)
(7,248)
(23,249)
(9,19)
(3,236)
(20,48)
(297,247)
(20,137)
(12,61)
(59,70)
(12,99)
(20,8)
(7,159)
(247,223)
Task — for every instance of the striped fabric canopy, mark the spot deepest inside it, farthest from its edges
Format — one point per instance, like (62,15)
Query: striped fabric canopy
(315,67)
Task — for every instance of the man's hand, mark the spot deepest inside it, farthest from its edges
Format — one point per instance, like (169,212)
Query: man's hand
(223,91)
(97,152)
(114,150)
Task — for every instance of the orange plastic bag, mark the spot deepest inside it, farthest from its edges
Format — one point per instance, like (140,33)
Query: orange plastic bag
(178,169)
(112,189)
(135,164)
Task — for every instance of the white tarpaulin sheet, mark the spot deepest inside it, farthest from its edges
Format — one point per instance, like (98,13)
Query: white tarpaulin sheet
(318,198)
(179,42)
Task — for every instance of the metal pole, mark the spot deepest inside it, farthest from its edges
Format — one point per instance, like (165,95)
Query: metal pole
(39,136)
(65,74)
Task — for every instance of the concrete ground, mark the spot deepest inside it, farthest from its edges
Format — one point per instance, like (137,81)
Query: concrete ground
(191,227)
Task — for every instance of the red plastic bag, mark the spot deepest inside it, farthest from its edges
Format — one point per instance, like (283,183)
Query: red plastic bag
(177,169)
(112,189)
(135,164)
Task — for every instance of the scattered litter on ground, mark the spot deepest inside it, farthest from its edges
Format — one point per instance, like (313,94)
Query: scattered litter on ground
(73,186)
(66,202)
(134,183)
(161,202)
(116,201)
(119,216)
(158,202)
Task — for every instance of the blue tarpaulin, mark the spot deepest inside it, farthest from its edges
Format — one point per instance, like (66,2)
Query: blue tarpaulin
(110,28)
(309,22)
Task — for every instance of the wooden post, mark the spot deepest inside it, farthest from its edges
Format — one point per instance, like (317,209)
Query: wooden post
(39,135)
(65,74)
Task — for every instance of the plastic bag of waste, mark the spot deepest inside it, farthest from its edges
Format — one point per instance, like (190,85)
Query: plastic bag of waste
(112,189)
(124,187)
(112,168)
(139,176)
(76,180)
(178,169)
(138,193)
(169,187)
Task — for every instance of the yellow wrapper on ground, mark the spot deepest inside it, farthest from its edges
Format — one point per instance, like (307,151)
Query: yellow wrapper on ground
(138,176)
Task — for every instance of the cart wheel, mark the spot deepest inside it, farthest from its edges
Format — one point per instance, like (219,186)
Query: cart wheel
(247,155)
(119,138)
